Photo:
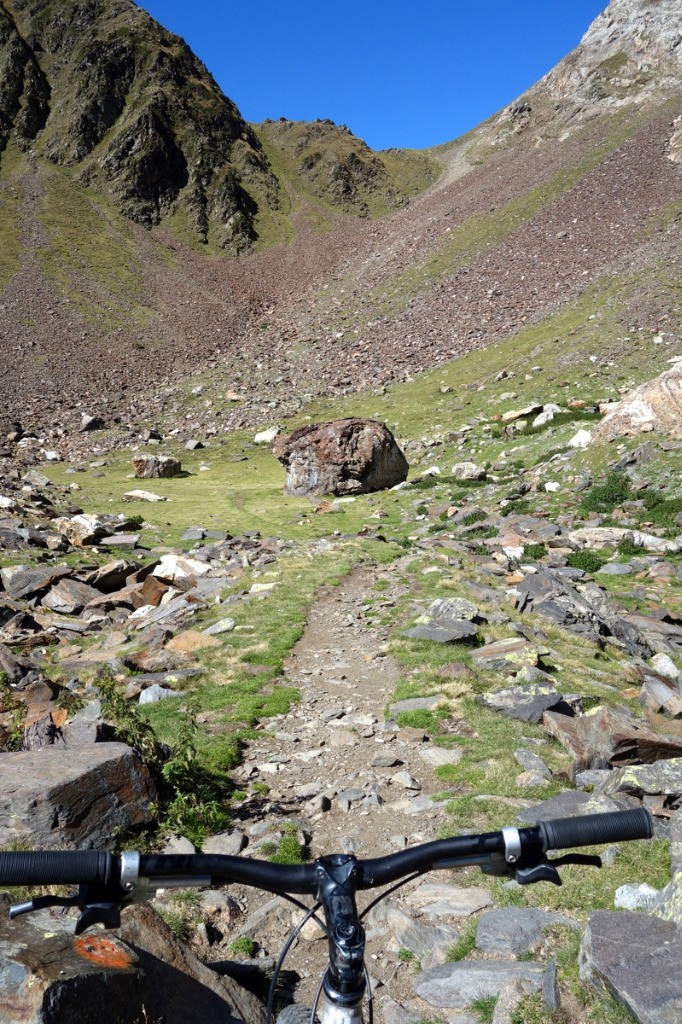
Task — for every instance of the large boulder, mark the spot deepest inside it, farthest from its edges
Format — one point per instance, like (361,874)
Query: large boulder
(654,406)
(153,467)
(140,973)
(348,456)
(73,798)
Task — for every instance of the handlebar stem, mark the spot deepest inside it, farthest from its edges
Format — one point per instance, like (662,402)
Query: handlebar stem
(337,882)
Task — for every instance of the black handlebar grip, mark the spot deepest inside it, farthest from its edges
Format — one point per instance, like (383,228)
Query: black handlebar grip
(56,867)
(592,829)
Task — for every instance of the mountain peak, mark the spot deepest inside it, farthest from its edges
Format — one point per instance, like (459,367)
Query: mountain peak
(632,50)
(104,89)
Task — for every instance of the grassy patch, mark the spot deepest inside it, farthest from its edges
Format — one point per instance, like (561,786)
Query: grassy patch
(465,944)
(91,254)
(11,162)
(484,1008)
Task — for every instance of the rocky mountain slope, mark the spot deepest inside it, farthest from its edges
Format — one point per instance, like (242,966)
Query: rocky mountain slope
(574,187)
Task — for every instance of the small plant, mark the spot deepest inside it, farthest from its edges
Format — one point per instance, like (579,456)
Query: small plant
(193,797)
(464,945)
(475,516)
(177,922)
(185,899)
(661,510)
(406,956)
(129,724)
(484,1008)
(260,788)
(290,850)
(588,561)
(533,552)
(628,546)
(242,946)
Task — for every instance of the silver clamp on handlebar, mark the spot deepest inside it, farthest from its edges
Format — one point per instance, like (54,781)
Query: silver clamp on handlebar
(512,845)
(136,887)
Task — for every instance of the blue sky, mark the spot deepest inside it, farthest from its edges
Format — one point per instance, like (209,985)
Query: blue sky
(397,72)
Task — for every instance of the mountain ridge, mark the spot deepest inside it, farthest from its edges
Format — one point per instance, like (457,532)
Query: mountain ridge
(577,184)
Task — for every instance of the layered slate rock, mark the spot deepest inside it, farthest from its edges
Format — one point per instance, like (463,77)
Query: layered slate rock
(510,655)
(48,976)
(73,798)
(456,985)
(589,612)
(610,737)
(446,620)
(527,703)
(346,456)
(662,778)
(644,972)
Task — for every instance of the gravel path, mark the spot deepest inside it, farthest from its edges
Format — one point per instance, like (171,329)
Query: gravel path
(335,749)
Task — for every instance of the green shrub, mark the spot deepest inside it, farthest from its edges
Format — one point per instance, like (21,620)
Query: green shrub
(588,561)
(533,552)
(475,516)
(609,495)
(627,546)
(484,1008)
(465,944)
(483,531)
(661,510)
(193,797)
(290,850)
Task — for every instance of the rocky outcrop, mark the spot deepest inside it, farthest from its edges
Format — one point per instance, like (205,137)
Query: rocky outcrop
(134,112)
(654,406)
(643,973)
(73,798)
(331,163)
(631,49)
(349,456)
(141,973)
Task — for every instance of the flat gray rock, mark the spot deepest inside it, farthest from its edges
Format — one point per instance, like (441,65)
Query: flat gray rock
(508,655)
(438,899)
(456,985)
(443,631)
(527,703)
(417,704)
(452,608)
(615,569)
(516,929)
(222,626)
(638,958)
(567,805)
(438,756)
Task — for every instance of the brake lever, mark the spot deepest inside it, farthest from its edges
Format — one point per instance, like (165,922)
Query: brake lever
(589,859)
(41,903)
(546,871)
(94,901)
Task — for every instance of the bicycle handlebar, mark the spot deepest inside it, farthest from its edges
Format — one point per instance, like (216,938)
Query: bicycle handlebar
(511,845)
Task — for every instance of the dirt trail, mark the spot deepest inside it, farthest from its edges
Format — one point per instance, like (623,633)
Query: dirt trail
(335,750)
(334,746)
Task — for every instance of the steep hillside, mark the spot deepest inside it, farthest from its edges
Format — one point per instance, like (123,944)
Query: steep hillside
(102,89)
(567,201)
(327,162)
